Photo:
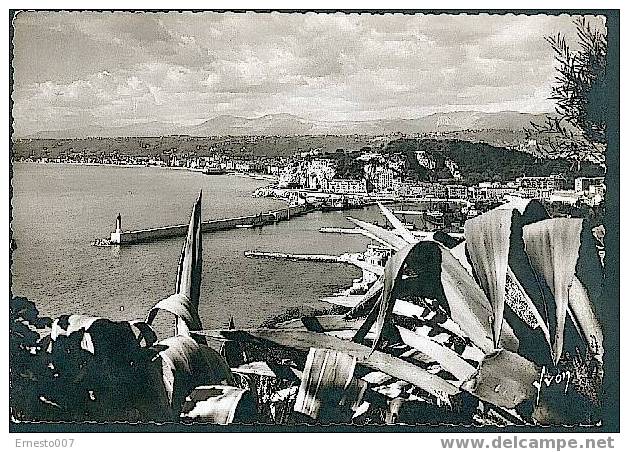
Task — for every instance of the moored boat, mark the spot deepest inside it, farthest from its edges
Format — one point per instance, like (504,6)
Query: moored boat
(214,171)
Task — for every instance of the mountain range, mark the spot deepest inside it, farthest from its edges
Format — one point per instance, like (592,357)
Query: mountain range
(290,125)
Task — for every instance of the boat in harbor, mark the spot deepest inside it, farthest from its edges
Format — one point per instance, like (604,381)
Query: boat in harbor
(332,205)
(409,225)
(257,222)
(214,171)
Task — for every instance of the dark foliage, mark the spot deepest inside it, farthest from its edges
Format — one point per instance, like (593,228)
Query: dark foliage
(61,380)
(347,167)
(480,162)
(580,93)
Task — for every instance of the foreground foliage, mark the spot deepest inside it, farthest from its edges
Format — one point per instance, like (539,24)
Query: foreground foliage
(501,328)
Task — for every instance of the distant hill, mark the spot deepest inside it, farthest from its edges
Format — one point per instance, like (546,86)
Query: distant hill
(285,124)
(290,125)
(148,129)
(270,125)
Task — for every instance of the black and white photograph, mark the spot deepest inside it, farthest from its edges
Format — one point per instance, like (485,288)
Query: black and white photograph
(315,220)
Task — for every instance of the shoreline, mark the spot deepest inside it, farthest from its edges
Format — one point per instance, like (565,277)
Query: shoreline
(256,176)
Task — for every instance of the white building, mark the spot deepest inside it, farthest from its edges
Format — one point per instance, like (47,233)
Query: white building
(583,184)
(569,197)
(382,174)
(346,186)
(318,173)
(456,191)
(289,177)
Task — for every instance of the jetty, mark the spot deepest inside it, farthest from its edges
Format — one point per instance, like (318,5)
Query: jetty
(355,259)
(120,237)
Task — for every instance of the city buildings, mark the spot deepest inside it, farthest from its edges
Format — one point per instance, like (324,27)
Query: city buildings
(347,186)
(583,184)
(372,173)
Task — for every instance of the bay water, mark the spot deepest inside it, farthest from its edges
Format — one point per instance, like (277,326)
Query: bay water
(58,209)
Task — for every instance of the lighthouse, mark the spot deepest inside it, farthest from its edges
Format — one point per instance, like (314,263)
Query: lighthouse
(115,236)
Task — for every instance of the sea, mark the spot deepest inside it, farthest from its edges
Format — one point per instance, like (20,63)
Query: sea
(59,209)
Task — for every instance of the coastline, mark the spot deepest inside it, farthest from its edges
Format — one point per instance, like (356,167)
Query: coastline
(256,176)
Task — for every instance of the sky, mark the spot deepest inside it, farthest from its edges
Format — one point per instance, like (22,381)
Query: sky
(81,69)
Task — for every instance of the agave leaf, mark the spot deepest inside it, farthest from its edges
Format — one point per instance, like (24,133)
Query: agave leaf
(468,305)
(398,225)
(219,404)
(392,276)
(324,323)
(303,341)
(582,313)
(183,308)
(190,268)
(191,261)
(184,304)
(187,364)
(448,359)
(553,249)
(269,369)
(326,378)
(391,239)
(487,240)
(496,250)
(505,379)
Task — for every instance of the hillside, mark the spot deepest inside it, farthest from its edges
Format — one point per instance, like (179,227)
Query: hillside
(480,162)
(246,146)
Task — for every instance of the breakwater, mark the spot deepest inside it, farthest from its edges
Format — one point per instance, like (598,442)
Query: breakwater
(119,237)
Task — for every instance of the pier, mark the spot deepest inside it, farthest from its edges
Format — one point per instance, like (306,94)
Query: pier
(120,237)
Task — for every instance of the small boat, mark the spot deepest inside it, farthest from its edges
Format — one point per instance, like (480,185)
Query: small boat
(331,207)
(214,171)
(248,225)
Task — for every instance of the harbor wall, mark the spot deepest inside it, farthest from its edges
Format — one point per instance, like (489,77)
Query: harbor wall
(180,230)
